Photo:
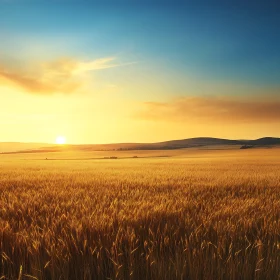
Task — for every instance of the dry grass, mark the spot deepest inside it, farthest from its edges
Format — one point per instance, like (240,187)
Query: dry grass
(199,217)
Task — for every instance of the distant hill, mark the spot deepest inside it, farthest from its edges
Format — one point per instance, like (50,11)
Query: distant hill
(200,141)
(18,146)
(167,145)
(265,141)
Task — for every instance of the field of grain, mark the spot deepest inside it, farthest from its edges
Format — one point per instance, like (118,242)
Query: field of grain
(191,215)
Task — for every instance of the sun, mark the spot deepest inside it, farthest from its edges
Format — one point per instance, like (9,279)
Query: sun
(60,140)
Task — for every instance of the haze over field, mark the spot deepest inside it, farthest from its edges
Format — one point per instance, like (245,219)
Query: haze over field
(200,142)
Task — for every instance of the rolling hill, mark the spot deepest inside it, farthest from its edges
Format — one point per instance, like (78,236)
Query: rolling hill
(166,145)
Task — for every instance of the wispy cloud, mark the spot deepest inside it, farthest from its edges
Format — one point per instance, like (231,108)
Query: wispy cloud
(63,75)
(98,64)
(38,83)
(214,109)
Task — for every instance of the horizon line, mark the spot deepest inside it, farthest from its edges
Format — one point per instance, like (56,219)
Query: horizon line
(114,143)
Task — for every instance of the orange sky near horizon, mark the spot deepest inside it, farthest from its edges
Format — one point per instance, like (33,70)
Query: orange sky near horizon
(108,116)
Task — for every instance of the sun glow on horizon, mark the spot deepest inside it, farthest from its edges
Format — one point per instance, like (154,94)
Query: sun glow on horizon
(60,140)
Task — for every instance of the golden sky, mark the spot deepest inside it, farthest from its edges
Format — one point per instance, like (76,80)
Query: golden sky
(137,73)
(68,97)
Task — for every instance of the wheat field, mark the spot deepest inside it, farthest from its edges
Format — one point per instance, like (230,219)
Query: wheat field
(192,215)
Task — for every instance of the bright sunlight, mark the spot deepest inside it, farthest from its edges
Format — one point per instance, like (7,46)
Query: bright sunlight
(60,140)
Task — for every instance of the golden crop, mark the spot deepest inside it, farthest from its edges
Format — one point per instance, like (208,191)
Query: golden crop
(196,217)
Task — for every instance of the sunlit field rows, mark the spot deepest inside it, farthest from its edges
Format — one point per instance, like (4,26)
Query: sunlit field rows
(205,215)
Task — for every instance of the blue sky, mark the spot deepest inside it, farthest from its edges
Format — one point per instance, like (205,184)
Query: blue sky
(219,40)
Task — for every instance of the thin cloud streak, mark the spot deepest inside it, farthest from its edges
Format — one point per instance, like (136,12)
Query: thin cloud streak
(99,64)
(213,109)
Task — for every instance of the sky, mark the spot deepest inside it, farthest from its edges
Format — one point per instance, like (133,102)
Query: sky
(138,71)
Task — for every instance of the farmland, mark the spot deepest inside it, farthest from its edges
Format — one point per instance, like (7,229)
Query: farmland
(182,214)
